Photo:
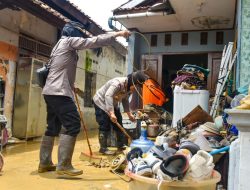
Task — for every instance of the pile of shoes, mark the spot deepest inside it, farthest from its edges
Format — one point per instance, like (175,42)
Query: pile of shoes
(165,163)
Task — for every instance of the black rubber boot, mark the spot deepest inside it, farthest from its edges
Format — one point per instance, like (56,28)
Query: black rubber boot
(103,136)
(46,148)
(65,152)
(121,142)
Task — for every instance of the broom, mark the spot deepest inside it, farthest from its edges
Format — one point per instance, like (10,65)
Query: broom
(86,156)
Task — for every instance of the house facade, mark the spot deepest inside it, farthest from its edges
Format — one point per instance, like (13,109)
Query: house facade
(169,34)
(28,32)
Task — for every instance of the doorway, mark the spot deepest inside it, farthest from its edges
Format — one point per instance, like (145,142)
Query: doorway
(171,64)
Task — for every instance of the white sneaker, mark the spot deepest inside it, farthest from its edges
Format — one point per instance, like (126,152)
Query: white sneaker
(153,162)
(139,167)
(200,166)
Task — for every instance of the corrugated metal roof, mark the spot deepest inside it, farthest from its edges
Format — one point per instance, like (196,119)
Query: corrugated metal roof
(56,13)
(50,10)
(135,6)
(84,14)
(131,4)
(118,46)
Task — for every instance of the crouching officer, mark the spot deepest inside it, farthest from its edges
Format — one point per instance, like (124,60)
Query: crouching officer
(107,111)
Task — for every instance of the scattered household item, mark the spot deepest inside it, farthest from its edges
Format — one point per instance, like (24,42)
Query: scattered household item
(188,67)
(153,130)
(200,166)
(244,103)
(173,168)
(134,153)
(145,183)
(191,146)
(153,162)
(218,121)
(139,166)
(210,127)
(160,140)
(162,152)
(118,164)
(236,100)
(197,115)
(217,151)
(233,130)
(131,127)
(227,62)
(185,152)
(198,138)
(186,100)
(143,141)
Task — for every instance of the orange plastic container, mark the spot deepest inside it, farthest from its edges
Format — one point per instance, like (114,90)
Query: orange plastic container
(152,93)
(145,183)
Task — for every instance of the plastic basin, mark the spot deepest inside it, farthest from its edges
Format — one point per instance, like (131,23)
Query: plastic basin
(145,183)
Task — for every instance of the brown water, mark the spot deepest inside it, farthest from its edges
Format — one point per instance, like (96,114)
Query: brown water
(20,170)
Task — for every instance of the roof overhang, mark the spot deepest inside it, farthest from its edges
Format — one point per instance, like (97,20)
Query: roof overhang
(57,13)
(190,15)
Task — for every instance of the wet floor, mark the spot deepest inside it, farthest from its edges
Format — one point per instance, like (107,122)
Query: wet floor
(20,170)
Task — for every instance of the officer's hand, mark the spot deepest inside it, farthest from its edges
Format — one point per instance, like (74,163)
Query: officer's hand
(123,33)
(131,117)
(113,117)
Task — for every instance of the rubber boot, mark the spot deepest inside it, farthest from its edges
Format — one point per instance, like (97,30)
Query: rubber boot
(65,152)
(103,136)
(46,148)
(121,142)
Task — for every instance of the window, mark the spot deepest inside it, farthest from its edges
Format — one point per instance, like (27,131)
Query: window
(153,40)
(203,38)
(219,37)
(35,46)
(168,39)
(90,88)
(184,39)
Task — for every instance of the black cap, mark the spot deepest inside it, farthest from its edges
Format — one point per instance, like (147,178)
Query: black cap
(73,29)
(136,78)
(139,77)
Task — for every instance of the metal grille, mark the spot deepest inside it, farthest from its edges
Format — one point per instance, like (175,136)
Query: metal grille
(35,46)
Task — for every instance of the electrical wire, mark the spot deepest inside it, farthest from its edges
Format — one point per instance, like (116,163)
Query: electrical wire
(134,68)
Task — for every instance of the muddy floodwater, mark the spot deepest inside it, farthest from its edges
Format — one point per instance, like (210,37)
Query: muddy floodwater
(20,169)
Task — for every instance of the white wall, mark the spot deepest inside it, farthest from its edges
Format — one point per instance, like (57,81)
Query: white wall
(13,22)
(110,65)
(193,42)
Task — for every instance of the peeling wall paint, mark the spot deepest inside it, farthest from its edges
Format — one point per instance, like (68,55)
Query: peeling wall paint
(8,51)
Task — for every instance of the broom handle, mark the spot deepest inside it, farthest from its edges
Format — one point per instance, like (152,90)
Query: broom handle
(124,132)
(83,125)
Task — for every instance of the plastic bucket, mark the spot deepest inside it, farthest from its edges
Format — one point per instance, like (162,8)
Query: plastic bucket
(145,183)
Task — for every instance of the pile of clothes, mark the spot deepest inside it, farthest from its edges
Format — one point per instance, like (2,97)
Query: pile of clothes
(191,77)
